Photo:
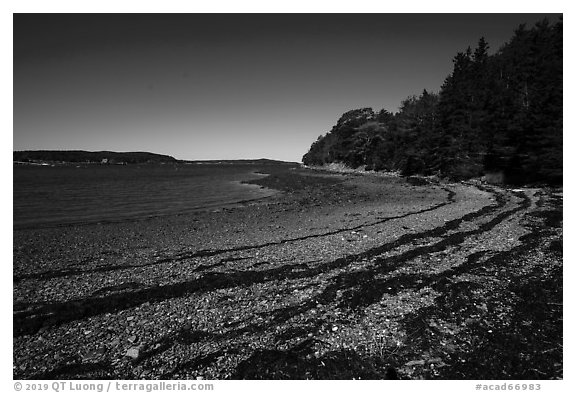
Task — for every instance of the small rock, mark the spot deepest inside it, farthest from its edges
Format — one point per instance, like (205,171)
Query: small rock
(130,318)
(132,339)
(187,326)
(93,355)
(334,328)
(133,352)
(415,363)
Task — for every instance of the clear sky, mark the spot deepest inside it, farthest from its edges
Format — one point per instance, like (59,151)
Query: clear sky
(222,86)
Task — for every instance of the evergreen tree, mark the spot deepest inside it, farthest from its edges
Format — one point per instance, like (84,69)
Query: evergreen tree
(500,112)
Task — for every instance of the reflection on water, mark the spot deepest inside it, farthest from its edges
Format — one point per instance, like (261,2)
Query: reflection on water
(46,196)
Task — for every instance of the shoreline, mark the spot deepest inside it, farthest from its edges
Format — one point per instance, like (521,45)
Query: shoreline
(317,270)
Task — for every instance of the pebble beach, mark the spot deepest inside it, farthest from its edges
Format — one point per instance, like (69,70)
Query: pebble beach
(333,276)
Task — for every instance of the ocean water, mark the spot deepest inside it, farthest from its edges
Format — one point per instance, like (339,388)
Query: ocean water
(47,196)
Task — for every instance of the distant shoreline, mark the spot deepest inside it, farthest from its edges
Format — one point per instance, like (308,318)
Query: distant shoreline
(75,157)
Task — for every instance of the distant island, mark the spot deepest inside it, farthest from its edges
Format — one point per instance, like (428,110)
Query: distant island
(120,158)
(90,157)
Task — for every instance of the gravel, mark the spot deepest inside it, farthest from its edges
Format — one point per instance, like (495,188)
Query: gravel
(338,276)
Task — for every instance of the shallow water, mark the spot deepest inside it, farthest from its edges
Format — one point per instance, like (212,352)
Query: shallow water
(48,196)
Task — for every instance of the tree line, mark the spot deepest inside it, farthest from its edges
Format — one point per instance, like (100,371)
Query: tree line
(495,114)
(81,156)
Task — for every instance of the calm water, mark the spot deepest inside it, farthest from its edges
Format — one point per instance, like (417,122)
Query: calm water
(46,196)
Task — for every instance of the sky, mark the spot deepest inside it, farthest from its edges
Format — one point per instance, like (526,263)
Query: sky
(225,86)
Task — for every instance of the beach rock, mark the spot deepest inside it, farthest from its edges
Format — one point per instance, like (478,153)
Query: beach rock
(416,363)
(92,356)
(134,352)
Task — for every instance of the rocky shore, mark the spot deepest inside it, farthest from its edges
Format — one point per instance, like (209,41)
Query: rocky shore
(338,276)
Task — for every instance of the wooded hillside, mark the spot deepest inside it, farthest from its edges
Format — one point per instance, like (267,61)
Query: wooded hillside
(89,156)
(495,114)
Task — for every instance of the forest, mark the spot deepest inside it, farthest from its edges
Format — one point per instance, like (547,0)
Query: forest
(498,116)
(81,156)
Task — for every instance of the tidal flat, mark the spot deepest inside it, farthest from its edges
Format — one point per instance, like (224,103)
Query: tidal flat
(331,276)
